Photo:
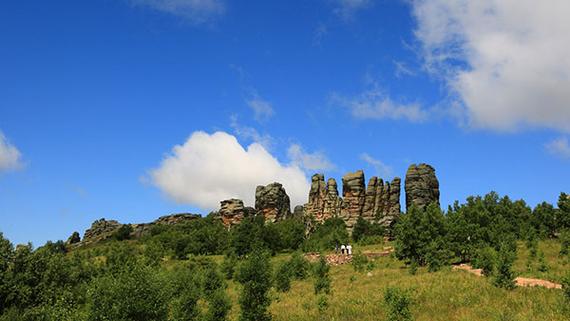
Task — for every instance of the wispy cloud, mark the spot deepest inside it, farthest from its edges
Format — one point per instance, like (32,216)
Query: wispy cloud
(316,161)
(559,147)
(195,11)
(10,156)
(262,109)
(346,9)
(250,133)
(402,69)
(381,169)
(374,104)
(320,32)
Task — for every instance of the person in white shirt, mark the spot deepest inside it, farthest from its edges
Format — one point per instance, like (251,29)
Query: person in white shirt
(349,249)
(342,249)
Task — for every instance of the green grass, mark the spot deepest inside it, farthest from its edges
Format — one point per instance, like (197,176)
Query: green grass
(558,265)
(446,295)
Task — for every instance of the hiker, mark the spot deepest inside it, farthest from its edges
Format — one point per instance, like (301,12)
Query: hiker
(349,249)
(336,248)
(342,249)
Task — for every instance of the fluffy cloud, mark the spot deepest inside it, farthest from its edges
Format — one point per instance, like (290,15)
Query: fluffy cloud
(381,169)
(209,168)
(374,104)
(559,147)
(316,161)
(262,109)
(195,11)
(10,156)
(507,62)
(250,133)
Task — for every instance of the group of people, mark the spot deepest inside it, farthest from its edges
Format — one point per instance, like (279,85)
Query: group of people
(344,249)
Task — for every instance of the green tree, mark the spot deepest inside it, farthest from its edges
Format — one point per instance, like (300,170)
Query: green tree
(563,213)
(486,260)
(229,264)
(283,276)
(255,276)
(123,233)
(322,278)
(398,303)
(219,306)
(505,278)
(299,266)
(544,219)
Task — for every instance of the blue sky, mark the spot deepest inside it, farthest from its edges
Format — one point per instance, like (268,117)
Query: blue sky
(96,95)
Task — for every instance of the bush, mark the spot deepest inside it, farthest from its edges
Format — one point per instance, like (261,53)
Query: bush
(299,266)
(327,235)
(212,281)
(123,233)
(398,302)
(322,303)
(283,277)
(486,259)
(255,276)
(322,278)
(565,242)
(135,293)
(505,277)
(363,229)
(219,306)
(542,265)
(359,261)
(228,266)
(566,286)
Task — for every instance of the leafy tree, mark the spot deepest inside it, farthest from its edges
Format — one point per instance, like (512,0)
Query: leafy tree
(228,266)
(133,294)
(6,257)
(327,235)
(322,278)
(505,277)
(291,233)
(283,276)
(565,242)
(544,219)
(299,266)
(563,213)
(212,280)
(398,302)
(255,276)
(219,306)
(566,286)
(486,260)
(364,228)
(248,235)
(420,234)
(359,261)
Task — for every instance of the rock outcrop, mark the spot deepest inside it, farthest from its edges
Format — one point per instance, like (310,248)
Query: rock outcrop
(382,201)
(379,202)
(272,202)
(354,196)
(74,238)
(232,212)
(174,219)
(422,186)
(100,230)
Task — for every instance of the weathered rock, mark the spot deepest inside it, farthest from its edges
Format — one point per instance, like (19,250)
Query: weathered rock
(74,238)
(353,194)
(317,194)
(382,201)
(100,230)
(333,202)
(299,212)
(422,186)
(272,202)
(232,212)
(174,219)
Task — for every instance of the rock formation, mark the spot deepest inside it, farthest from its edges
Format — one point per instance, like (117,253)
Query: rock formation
(353,195)
(272,202)
(232,212)
(422,186)
(378,202)
(100,230)
(74,238)
(299,212)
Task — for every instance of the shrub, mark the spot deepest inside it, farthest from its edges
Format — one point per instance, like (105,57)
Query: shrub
(322,303)
(565,242)
(542,265)
(123,233)
(413,268)
(398,302)
(486,259)
(505,277)
(134,294)
(219,306)
(283,277)
(228,266)
(212,281)
(322,278)
(566,286)
(299,266)
(255,276)
(359,261)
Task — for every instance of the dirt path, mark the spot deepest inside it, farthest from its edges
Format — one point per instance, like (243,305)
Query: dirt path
(526,282)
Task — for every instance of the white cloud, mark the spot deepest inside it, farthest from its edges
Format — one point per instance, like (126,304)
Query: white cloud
(374,104)
(507,62)
(262,109)
(381,169)
(209,168)
(559,147)
(402,69)
(316,161)
(10,156)
(195,11)
(347,8)
(250,133)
